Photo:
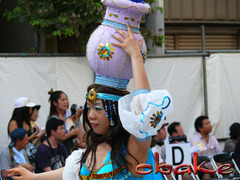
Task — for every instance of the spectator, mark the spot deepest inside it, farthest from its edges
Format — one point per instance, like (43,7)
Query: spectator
(21,116)
(234,136)
(34,126)
(237,153)
(51,154)
(31,148)
(158,143)
(202,136)
(15,155)
(76,113)
(204,128)
(21,119)
(176,133)
(58,106)
(70,122)
(74,122)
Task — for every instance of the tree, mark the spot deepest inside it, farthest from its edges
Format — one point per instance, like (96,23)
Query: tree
(61,18)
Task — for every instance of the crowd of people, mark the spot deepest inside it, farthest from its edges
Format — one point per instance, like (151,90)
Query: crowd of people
(206,144)
(40,150)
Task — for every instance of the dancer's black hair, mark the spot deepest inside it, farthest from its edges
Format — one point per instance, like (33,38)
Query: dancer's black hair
(117,137)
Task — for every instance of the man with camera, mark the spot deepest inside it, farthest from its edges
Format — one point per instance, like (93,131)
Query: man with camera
(176,133)
(74,122)
(158,143)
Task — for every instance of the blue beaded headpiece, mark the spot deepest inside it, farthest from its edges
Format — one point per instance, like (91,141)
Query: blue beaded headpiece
(93,95)
(109,101)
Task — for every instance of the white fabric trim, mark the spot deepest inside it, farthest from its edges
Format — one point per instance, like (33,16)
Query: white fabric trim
(72,167)
(135,112)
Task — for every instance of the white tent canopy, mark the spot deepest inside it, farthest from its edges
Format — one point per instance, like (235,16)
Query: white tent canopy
(33,77)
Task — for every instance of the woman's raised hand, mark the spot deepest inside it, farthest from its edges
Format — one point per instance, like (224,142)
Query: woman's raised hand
(132,48)
(128,42)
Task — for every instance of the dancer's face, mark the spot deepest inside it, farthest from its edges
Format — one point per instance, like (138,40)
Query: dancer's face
(62,103)
(97,117)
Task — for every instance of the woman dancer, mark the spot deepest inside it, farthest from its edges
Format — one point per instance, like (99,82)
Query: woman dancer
(112,152)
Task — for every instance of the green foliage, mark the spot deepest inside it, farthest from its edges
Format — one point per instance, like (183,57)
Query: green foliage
(156,8)
(59,17)
(159,8)
(62,18)
(157,41)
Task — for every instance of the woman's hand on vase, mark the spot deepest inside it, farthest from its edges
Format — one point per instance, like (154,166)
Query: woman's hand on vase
(129,43)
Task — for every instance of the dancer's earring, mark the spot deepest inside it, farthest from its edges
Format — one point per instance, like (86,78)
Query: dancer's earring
(112,122)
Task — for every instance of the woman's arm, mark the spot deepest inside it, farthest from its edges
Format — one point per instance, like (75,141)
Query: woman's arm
(132,48)
(25,174)
(138,149)
(40,136)
(12,125)
(33,136)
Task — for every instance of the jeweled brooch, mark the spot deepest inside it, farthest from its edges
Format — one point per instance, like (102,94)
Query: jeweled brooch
(156,119)
(92,95)
(106,51)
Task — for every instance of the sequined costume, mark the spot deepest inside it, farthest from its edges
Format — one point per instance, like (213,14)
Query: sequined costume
(72,170)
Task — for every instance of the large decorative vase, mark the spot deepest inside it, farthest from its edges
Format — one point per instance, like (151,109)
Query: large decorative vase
(110,63)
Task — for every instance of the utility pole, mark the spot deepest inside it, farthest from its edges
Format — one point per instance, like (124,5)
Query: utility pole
(155,23)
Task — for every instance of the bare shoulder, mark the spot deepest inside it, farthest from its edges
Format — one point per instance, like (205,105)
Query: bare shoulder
(12,125)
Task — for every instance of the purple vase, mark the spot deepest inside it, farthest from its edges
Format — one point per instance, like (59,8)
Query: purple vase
(110,63)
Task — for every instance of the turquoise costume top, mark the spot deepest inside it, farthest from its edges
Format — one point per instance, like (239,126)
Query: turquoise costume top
(72,170)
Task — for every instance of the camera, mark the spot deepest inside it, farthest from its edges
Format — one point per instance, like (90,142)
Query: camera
(178,139)
(34,129)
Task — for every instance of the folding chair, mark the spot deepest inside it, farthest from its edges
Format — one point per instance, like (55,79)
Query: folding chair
(221,158)
(172,175)
(194,176)
(235,164)
(201,158)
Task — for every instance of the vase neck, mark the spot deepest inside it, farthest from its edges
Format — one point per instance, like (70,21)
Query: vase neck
(123,16)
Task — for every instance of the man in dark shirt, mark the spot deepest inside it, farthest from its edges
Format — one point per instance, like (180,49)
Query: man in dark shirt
(51,154)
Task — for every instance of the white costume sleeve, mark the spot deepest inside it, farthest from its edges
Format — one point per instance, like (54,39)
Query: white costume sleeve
(72,167)
(142,115)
